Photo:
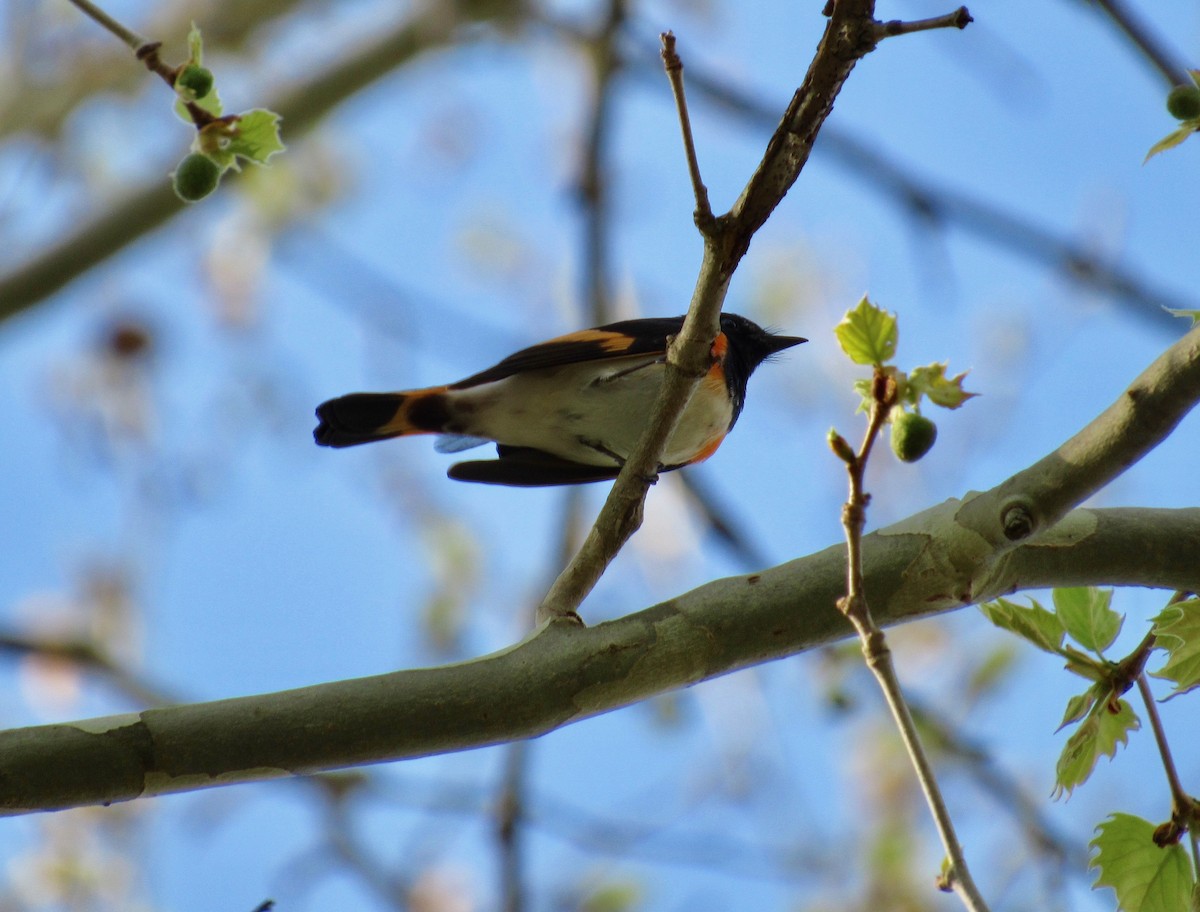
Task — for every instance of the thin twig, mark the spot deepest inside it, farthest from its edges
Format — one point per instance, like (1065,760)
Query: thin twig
(958,19)
(1144,39)
(932,204)
(593,183)
(91,657)
(128,36)
(674,67)
(510,817)
(147,52)
(876,650)
(1183,811)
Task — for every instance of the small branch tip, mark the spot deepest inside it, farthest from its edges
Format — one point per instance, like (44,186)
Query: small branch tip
(959,19)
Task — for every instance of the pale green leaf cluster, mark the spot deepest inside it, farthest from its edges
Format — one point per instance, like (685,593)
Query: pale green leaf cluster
(1145,877)
(229,139)
(1085,616)
(869,335)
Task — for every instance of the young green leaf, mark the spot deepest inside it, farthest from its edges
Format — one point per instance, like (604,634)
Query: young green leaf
(1172,139)
(1086,614)
(195,44)
(253,136)
(1178,631)
(868,334)
(1144,877)
(1193,315)
(932,381)
(1080,705)
(1097,737)
(257,136)
(1039,626)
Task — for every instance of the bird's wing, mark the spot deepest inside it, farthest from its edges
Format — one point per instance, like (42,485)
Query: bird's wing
(525,467)
(616,340)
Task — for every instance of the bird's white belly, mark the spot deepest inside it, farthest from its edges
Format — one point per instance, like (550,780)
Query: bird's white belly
(588,416)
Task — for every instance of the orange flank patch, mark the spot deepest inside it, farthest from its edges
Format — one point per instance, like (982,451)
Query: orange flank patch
(421,411)
(708,449)
(720,346)
(716,370)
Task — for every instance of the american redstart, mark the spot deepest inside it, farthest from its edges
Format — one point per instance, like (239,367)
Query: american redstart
(566,411)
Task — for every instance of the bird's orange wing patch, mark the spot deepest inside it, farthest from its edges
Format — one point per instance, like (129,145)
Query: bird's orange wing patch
(573,348)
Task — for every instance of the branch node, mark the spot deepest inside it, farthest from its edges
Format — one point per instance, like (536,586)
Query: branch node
(1017,521)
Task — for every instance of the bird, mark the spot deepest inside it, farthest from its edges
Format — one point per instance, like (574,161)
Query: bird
(569,410)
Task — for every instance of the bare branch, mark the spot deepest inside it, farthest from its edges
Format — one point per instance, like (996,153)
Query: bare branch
(1142,37)
(958,19)
(130,38)
(674,67)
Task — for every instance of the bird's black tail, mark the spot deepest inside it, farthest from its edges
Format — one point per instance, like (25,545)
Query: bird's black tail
(367,417)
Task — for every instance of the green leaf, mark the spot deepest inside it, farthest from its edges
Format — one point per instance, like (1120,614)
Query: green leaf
(863,387)
(1099,670)
(256,136)
(1080,705)
(1178,631)
(1097,737)
(210,103)
(253,136)
(1172,139)
(1193,315)
(195,44)
(868,334)
(1086,614)
(932,381)
(1145,878)
(1039,626)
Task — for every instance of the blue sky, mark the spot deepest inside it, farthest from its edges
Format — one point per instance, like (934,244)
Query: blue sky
(429,229)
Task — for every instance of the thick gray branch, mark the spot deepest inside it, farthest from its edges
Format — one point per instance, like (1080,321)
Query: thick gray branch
(1035,499)
(566,673)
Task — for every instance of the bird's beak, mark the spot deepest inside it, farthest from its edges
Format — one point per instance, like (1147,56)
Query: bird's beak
(777,344)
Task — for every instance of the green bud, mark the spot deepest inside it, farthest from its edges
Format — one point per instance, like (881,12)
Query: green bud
(1184,102)
(840,447)
(912,436)
(195,177)
(196,79)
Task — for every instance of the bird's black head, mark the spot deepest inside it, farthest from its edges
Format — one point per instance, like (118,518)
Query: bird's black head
(749,346)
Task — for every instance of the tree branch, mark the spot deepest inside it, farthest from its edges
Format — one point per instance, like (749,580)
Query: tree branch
(1036,498)
(1143,38)
(940,205)
(561,676)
